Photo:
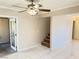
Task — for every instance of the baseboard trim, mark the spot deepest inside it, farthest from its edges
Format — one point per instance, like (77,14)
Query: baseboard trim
(28,48)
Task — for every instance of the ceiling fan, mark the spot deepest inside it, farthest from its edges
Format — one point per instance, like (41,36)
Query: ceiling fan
(33,7)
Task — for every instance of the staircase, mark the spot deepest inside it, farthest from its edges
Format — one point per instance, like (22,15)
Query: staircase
(46,41)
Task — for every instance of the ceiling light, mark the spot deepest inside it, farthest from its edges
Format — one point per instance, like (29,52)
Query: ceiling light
(33,10)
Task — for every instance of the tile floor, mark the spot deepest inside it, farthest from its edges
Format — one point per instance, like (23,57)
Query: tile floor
(5,52)
(75,50)
(42,53)
(5,49)
(36,53)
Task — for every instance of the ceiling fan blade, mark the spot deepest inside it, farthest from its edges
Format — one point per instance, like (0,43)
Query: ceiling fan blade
(19,6)
(45,10)
(22,11)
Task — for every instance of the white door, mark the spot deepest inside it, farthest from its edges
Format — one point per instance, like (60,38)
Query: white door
(13,33)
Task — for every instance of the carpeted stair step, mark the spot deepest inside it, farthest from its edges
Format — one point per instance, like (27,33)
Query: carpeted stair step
(46,44)
(47,40)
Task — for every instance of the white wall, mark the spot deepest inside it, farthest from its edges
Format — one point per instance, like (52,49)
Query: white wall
(31,29)
(62,31)
(4,30)
(61,36)
(34,30)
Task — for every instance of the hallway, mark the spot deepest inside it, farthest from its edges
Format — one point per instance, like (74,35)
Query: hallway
(75,50)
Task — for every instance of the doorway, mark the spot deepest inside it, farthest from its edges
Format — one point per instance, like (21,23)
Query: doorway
(46,40)
(75,33)
(7,36)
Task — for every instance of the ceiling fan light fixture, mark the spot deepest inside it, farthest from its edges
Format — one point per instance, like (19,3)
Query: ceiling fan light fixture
(36,6)
(32,10)
(35,1)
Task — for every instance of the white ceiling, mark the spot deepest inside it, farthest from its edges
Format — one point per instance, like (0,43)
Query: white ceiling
(50,4)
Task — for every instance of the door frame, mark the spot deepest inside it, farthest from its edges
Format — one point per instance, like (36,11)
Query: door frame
(14,17)
(13,46)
